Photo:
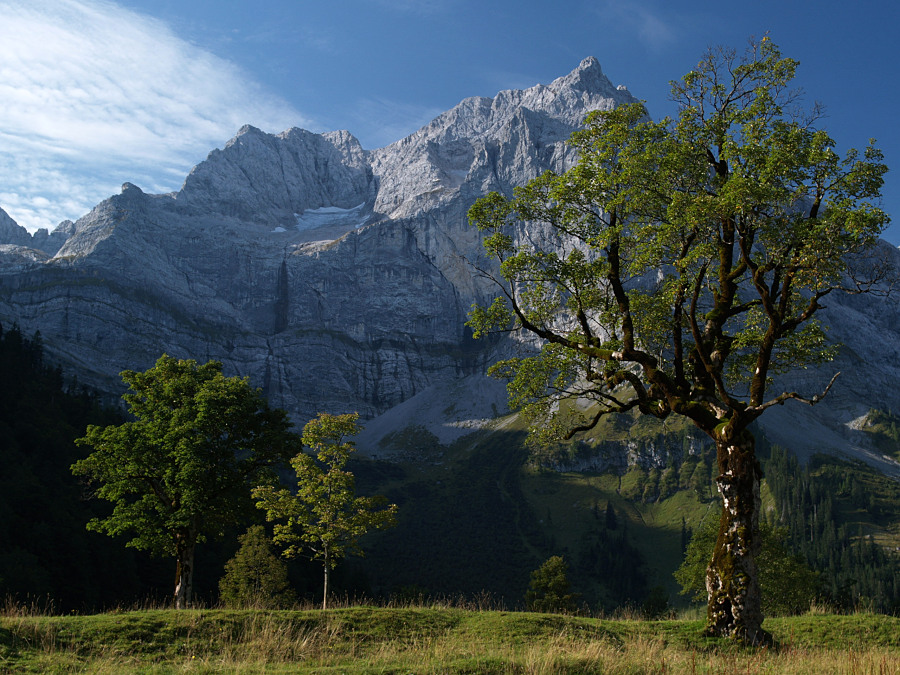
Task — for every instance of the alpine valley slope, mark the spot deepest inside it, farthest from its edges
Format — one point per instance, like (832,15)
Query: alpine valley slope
(337,279)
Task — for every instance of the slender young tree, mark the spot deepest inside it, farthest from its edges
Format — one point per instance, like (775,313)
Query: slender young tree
(183,469)
(683,267)
(325,518)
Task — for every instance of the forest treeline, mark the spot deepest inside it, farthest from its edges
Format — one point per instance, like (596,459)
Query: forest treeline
(828,507)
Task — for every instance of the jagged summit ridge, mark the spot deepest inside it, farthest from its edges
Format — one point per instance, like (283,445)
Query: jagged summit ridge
(11,233)
(567,99)
(584,89)
(588,77)
(485,144)
(268,178)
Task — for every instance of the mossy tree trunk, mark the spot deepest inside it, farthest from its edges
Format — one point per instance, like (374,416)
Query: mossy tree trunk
(185,544)
(735,604)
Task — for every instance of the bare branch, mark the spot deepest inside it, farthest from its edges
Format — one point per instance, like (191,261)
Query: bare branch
(780,400)
(600,415)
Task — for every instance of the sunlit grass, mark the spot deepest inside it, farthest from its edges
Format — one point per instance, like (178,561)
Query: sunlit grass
(439,638)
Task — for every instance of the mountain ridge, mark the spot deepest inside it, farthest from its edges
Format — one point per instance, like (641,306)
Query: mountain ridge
(359,310)
(338,278)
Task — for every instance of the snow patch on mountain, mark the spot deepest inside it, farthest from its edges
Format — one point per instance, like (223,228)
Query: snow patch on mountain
(331,216)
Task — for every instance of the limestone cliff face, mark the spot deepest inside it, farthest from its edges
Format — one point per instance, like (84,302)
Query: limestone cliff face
(333,276)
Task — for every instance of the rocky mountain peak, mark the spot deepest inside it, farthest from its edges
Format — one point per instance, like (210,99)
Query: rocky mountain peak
(247,129)
(587,77)
(11,232)
(271,179)
(333,276)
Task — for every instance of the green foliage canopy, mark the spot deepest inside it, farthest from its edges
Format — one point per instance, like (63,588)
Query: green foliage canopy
(182,470)
(685,259)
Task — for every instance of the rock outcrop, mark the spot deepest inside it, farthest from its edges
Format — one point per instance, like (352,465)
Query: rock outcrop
(13,234)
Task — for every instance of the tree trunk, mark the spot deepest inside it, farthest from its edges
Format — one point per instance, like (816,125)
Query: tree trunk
(735,608)
(327,578)
(184,571)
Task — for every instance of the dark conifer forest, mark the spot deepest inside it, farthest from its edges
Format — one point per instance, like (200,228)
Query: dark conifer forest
(821,505)
(48,557)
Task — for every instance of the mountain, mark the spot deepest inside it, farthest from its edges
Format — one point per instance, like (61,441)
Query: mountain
(335,277)
(11,233)
(338,278)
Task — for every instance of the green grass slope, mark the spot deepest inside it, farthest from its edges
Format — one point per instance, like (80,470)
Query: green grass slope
(430,640)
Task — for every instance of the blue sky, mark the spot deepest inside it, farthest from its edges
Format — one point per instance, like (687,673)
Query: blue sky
(94,93)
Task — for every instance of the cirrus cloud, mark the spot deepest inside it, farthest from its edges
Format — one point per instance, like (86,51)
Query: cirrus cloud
(93,95)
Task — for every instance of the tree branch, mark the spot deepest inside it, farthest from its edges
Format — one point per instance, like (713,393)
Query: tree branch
(780,400)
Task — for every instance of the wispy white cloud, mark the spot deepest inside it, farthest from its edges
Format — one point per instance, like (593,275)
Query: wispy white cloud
(92,95)
(648,23)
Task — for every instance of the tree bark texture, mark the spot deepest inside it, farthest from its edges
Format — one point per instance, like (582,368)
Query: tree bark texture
(735,604)
(327,579)
(184,574)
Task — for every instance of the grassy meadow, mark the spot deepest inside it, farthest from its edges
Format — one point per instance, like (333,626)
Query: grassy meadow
(433,639)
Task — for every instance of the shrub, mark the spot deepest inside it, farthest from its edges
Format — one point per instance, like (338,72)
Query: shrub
(549,590)
(256,576)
